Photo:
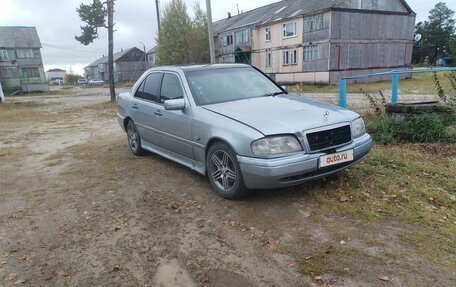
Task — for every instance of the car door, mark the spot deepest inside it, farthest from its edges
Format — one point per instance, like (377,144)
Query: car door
(174,127)
(145,103)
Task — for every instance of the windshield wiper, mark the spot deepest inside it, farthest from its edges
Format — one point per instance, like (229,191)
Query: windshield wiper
(273,94)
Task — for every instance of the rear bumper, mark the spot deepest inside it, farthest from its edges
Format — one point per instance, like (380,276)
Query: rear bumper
(292,170)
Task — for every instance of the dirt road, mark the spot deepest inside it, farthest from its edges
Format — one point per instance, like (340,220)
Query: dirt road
(77,209)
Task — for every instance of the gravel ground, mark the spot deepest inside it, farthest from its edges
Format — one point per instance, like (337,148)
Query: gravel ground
(77,209)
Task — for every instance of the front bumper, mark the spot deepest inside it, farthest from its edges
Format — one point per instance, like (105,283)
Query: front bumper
(292,170)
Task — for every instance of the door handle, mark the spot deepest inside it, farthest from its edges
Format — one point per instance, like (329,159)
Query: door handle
(158,113)
(135,106)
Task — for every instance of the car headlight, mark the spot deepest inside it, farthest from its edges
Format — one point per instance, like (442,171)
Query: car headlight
(275,145)
(358,128)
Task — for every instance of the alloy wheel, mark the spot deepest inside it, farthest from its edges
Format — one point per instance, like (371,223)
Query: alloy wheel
(223,170)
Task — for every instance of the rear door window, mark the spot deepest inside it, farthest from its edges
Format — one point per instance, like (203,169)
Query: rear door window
(139,91)
(149,88)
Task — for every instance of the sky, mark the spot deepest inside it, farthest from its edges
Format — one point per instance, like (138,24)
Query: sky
(57,23)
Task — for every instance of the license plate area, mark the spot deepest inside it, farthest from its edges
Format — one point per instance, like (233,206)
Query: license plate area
(336,158)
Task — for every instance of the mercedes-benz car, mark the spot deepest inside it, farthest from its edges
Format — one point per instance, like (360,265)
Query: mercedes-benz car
(240,128)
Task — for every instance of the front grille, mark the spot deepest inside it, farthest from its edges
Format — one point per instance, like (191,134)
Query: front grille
(329,138)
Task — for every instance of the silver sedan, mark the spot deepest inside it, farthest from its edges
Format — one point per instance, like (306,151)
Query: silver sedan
(237,126)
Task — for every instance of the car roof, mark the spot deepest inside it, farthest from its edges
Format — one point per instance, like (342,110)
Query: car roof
(191,68)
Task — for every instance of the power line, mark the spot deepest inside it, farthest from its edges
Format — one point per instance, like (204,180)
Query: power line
(70,49)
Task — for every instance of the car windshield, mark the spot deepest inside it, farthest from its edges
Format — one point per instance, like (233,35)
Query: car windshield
(230,84)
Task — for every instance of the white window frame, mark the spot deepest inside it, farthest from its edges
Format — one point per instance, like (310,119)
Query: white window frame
(223,41)
(24,53)
(284,30)
(314,22)
(310,53)
(4,55)
(374,5)
(268,59)
(244,36)
(289,57)
(285,58)
(268,34)
(293,57)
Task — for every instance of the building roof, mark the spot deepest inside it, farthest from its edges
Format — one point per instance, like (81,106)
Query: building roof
(273,12)
(278,11)
(19,37)
(117,57)
(153,50)
(56,70)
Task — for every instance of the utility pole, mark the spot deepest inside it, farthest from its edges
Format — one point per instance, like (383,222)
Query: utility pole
(157,7)
(209,30)
(110,6)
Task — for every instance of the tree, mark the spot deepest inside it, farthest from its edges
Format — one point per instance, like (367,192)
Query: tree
(453,51)
(437,33)
(71,78)
(182,40)
(94,15)
(417,45)
(173,36)
(199,41)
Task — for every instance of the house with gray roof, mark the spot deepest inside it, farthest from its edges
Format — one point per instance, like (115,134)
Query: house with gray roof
(129,65)
(21,64)
(319,41)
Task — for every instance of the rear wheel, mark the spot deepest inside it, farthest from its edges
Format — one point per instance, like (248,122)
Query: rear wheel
(224,172)
(134,140)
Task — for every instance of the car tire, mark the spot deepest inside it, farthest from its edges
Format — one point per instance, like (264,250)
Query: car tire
(224,172)
(134,140)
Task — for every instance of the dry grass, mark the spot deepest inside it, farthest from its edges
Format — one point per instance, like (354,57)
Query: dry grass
(104,110)
(18,113)
(420,84)
(411,183)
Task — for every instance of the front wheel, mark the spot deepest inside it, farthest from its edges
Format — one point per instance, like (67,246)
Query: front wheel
(224,172)
(134,140)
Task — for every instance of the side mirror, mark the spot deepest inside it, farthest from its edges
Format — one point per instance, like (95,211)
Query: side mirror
(175,105)
(284,87)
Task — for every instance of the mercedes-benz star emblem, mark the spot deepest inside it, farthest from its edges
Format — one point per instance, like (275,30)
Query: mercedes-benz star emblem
(326,115)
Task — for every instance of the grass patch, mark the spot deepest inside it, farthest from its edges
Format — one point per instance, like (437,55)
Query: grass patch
(426,127)
(411,183)
(338,231)
(104,110)
(327,258)
(436,245)
(421,83)
(14,113)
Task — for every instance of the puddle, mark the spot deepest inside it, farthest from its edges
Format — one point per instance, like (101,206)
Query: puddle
(171,274)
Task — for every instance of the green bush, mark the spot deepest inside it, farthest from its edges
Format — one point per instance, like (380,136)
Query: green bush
(382,129)
(450,133)
(422,128)
(429,127)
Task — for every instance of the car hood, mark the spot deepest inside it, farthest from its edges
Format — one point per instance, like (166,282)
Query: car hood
(282,114)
